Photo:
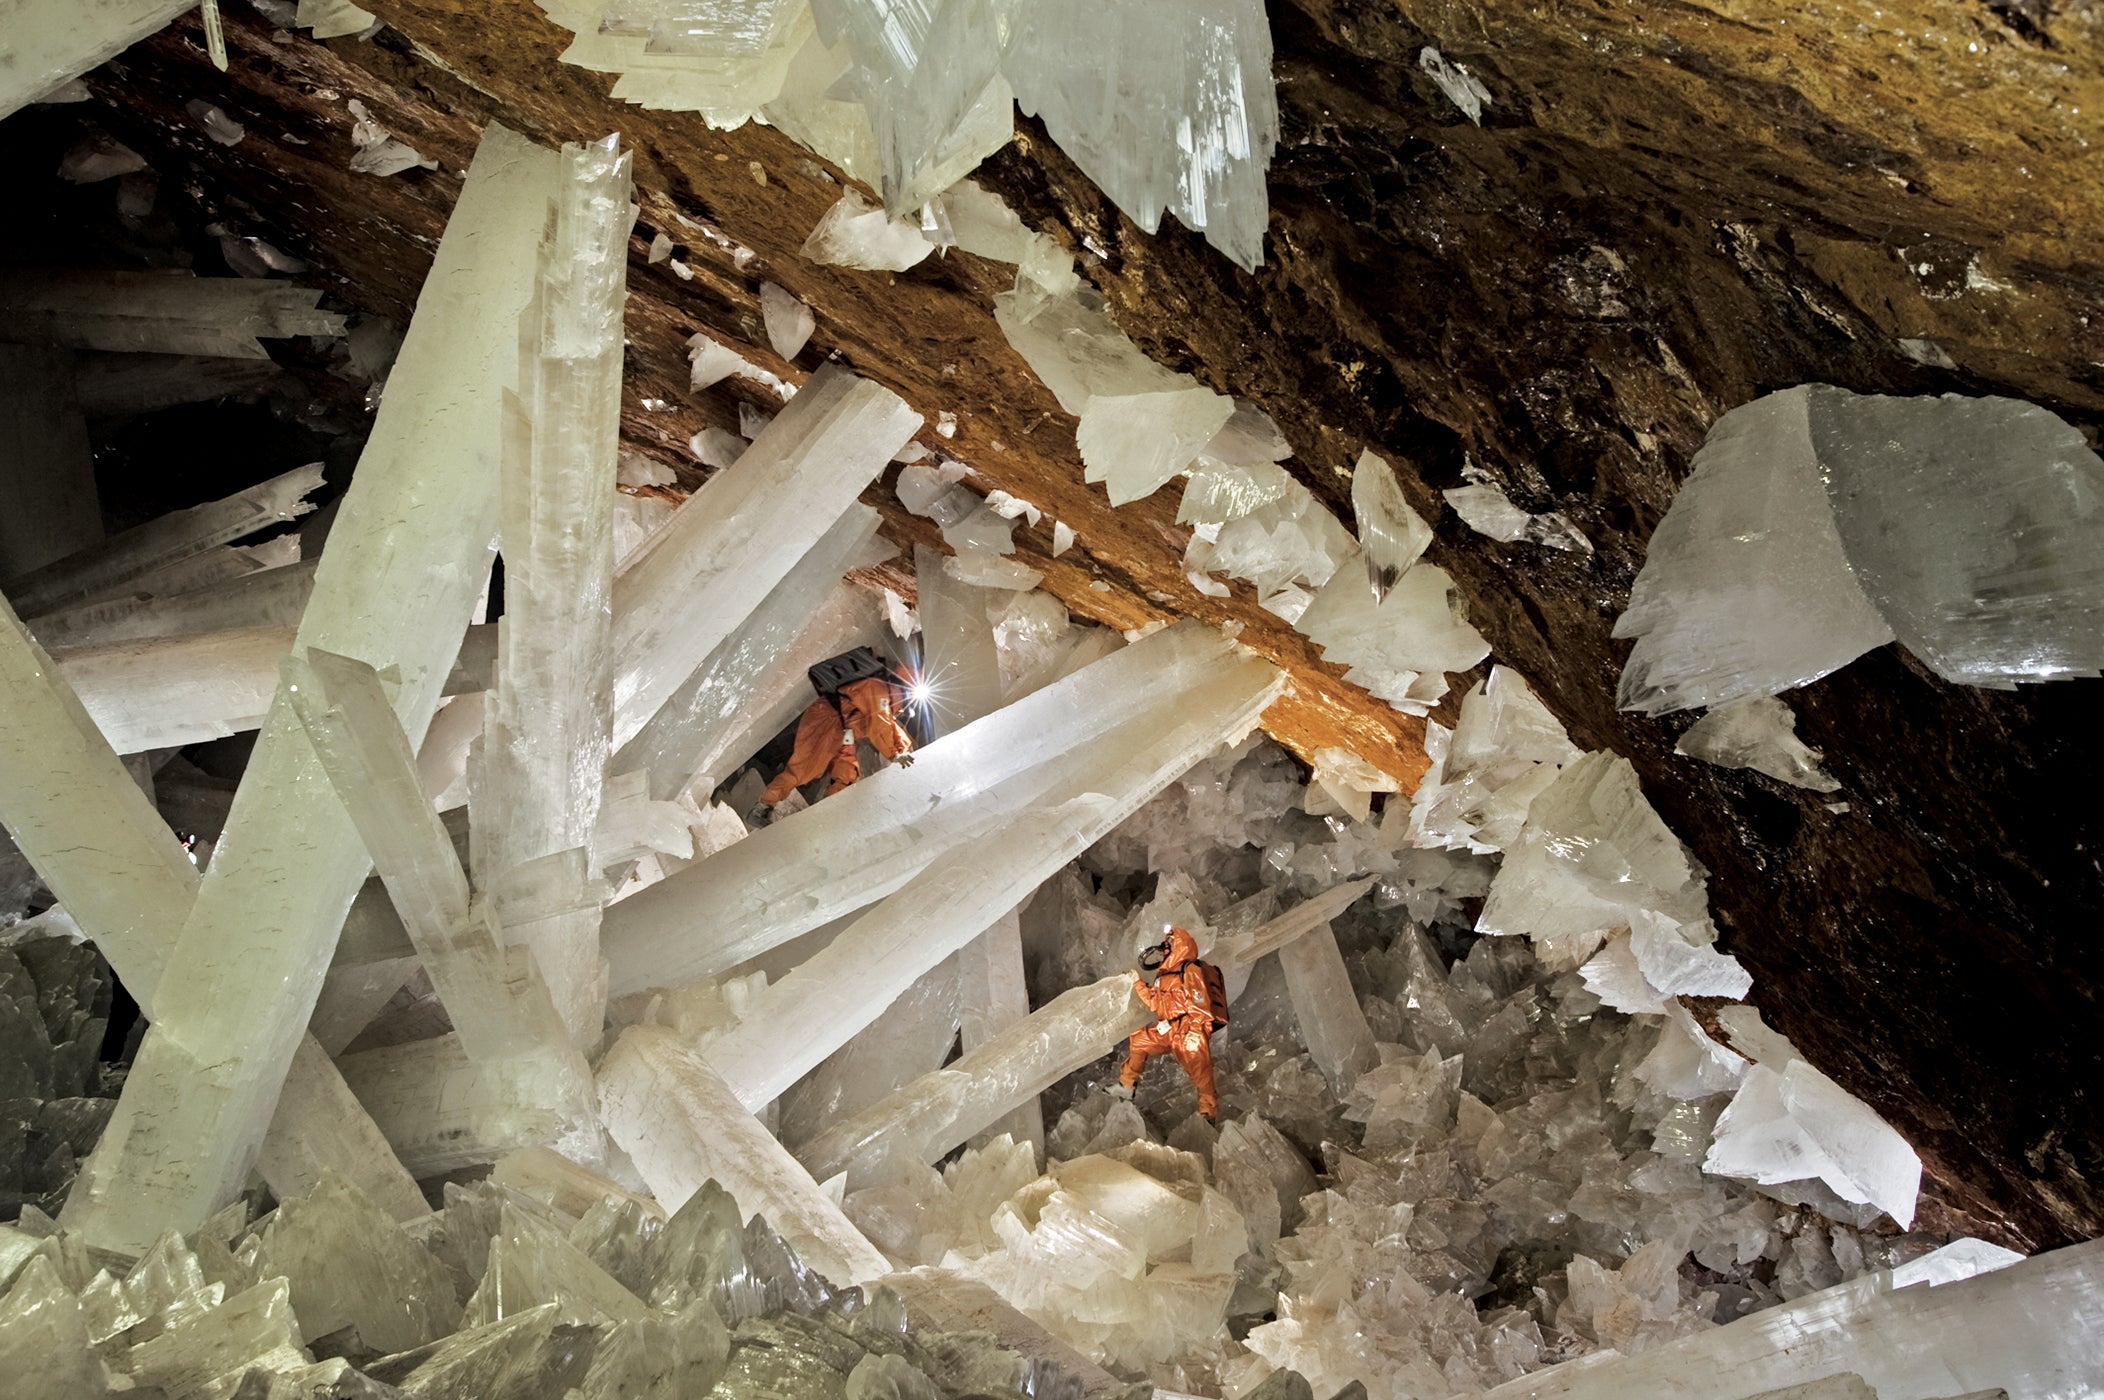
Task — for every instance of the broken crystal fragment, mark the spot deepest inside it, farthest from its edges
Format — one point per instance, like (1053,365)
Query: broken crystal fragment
(1391,534)
(1592,855)
(1165,106)
(1760,734)
(1463,88)
(377,151)
(1796,1123)
(350,1265)
(1401,647)
(1487,510)
(1505,750)
(217,124)
(95,158)
(856,233)
(157,311)
(103,568)
(789,321)
(266,598)
(332,19)
(1745,589)
(1331,1024)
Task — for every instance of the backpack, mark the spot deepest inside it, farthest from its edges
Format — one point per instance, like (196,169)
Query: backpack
(860,664)
(1215,992)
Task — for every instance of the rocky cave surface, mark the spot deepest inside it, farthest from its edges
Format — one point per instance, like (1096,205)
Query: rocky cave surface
(1668,209)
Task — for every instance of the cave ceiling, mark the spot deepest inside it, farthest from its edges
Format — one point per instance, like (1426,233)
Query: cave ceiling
(1667,210)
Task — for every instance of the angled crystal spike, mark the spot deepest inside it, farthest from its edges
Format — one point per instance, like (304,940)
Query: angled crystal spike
(1746,589)
(2032,1329)
(157,312)
(1391,534)
(914,1035)
(761,664)
(742,533)
(682,1126)
(93,836)
(855,233)
(532,1264)
(1794,1124)
(845,987)
(96,571)
(47,473)
(52,43)
(864,843)
(396,586)
(993,995)
(925,1120)
(266,598)
(351,1265)
(320,1127)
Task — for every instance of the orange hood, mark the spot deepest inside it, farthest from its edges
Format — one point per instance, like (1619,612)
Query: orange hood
(1182,949)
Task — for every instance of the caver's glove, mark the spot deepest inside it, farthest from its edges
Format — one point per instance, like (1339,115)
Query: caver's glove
(761,814)
(904,760)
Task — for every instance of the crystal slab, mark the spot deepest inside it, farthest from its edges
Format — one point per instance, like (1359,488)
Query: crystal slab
(52,44)
(159,312)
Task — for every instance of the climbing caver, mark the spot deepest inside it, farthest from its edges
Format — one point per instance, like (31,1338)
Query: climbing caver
(1189,999)
(859,697)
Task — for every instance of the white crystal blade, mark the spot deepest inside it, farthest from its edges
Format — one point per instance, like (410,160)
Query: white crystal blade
(1392,534)
(682,1126)
(741,534)
(401,575)
(158,312)
(1761,734)
(52,43)
(1331,1024)
(266,598)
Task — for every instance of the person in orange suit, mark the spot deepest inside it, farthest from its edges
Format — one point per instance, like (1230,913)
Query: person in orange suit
(1183,1024)
(826,735)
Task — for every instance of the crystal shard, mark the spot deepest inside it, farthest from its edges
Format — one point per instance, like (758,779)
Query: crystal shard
(401,574)
(1797,1123)
(1391,534)
(1760,734)
(1402,646)
(1976,526)
(1331,1024)
(1746,589)
(1165,106)
(154,311)
(855,233)
(350,1265)
(50,44)
(789,321)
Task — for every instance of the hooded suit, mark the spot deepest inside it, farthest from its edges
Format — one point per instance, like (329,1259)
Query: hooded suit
(1184,1021)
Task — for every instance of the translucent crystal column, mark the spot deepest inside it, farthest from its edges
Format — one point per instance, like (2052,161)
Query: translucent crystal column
(862,844)
(1331,1024)
(713,706)
(266,598)
(958,656)
(535,783)
(2033,1330)
(402,573)
(48,505)
(740,535)
(681,1125)
(993,995)
(54,42)
(164,692)
(162,312)
(179,535)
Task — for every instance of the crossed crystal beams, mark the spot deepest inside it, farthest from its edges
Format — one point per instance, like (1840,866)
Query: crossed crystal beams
(941,1110)
(404,567)
(865,843)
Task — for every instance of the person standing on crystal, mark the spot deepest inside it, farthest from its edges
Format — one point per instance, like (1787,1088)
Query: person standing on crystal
(859,697)
(1189,999)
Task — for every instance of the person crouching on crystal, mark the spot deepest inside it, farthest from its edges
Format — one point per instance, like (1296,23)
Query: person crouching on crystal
(1188,999)
(859,697)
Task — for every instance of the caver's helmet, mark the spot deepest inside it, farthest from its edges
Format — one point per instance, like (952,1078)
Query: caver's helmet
(1176,948)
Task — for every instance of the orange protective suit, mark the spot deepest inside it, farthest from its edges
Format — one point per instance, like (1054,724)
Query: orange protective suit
(825,738)
(1183,1024)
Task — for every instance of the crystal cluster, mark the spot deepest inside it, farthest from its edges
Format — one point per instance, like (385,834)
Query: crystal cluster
(910,98)
(1820,524)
